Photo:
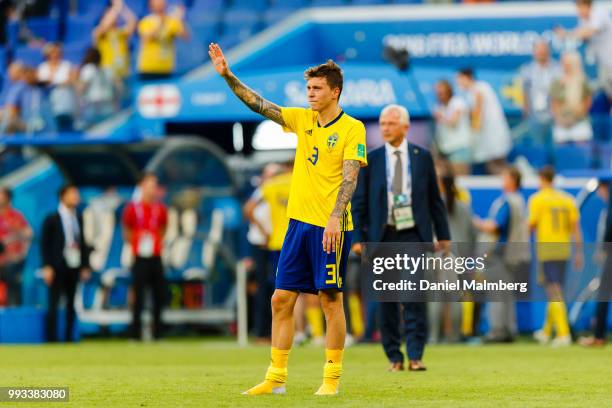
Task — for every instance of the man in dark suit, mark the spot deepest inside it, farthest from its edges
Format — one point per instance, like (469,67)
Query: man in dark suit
(65,258)
(397,200)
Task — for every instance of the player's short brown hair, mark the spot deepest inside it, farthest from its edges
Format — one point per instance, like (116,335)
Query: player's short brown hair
(330,71)
(584,2)
(547,173)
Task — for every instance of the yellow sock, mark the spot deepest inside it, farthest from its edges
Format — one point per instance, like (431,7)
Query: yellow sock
(354,304)
(315,320)
(276,376)
(548,320)
(277,371)
(331,372)
(560,319)
(467,318)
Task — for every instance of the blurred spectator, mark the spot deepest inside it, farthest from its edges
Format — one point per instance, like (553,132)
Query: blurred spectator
(11,115)
(158,31)
(60,76)
(15,238)
(144,225)
(605,286)
(445,317)
(453,134)
(96,90)
(571,100)
(65,258)
(26,108)
(18,11)
(595,27)
(506,228)
(492,140)
(537,76)
(113,40)
(257,211)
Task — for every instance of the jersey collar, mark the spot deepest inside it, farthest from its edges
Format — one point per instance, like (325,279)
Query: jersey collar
(332,122)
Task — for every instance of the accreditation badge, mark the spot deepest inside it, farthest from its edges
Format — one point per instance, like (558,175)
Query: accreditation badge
(146,245)
(402,212)
(72,255)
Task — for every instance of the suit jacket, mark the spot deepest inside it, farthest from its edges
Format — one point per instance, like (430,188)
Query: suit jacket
(53,242)
(370,207)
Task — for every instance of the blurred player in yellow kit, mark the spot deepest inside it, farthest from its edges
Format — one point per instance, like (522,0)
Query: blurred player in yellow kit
(554,217)
(331,149)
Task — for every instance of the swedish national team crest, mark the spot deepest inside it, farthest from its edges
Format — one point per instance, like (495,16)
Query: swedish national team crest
(332,140)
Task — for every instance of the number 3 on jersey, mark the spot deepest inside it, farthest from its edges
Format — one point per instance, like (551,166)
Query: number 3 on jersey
(315,156)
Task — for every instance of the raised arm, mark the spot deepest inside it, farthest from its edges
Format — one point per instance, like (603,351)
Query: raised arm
(250,98)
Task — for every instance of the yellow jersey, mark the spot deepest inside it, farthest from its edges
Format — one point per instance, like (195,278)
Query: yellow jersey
(317,170)
(114,52)
(275,192)
(157,56)
(553,213)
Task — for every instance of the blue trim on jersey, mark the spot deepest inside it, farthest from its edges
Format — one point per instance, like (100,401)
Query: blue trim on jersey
(332,122)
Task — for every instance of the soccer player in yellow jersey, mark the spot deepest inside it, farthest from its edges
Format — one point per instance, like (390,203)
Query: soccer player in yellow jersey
(554,217)
(331,149)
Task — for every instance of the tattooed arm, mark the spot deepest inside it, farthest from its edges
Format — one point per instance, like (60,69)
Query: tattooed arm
(250,98)
(333,230)
(350,171)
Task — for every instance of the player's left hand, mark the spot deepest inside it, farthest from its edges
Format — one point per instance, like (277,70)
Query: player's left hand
(331,235)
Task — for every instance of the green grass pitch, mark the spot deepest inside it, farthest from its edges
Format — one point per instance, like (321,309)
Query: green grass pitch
(197,373)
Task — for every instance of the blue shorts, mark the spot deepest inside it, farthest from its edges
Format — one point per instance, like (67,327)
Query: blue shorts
(554,271)
(303,266)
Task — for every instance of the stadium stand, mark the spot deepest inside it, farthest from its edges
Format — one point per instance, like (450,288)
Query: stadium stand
(205,239)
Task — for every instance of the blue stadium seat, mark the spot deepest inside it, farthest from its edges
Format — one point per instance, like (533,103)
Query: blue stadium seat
(251,5)
(368,2)
(12,34)
(407,1)
(44,27)
(189,54)
(537,156)
(79,27)
(288,4)
(231,39)
(572,157)
(2,58)
(92,8)
(238,26)
(273,16)
(204,27)
(206,6)
(30,56)
(327,3)
(74,52)
(138,7)
(239,17)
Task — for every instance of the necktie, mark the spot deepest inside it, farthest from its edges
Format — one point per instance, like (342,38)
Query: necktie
(396,184)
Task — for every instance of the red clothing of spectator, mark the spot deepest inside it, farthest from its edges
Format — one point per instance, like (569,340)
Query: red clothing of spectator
(146,220)
(13,227)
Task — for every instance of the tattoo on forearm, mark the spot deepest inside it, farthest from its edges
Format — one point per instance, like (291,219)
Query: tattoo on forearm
(255,102)
(350,171)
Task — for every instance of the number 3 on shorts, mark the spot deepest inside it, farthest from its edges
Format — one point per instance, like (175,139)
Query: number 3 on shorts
(331,272)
